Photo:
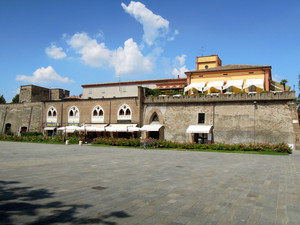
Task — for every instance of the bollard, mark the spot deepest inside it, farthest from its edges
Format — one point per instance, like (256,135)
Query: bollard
(80,142)
(67,142)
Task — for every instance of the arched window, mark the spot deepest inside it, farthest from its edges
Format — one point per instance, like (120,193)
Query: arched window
(155,118)
(97,114)
(124,112)
(73,116)
(52,115)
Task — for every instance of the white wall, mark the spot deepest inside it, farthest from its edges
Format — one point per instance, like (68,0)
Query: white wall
(113,91)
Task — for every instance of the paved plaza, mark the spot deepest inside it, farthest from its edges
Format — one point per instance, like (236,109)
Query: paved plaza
(72,184)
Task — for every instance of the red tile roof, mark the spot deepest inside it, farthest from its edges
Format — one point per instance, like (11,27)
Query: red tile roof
(229,67)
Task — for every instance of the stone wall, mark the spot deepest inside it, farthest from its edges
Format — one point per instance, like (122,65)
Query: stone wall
(262,118)
(27,115)
(59,94)
(85,107)
(272,96)
(263,122)
(257,118)
(32,93)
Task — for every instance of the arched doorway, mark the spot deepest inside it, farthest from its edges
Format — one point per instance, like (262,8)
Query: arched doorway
(154,120)
(154,125)
(7,129)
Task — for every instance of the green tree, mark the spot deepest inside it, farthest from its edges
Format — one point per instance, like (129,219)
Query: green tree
(2,100)
(15,99)
(283,82)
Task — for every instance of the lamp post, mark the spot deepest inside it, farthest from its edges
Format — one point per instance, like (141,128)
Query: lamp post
(255,108)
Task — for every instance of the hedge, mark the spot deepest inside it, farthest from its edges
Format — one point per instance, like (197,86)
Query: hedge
(41,139)
(153,143)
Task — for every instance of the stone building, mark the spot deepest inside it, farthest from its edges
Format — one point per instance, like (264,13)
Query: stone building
(261,115)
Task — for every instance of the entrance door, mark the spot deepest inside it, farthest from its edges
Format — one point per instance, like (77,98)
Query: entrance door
(200,138)
(154,134)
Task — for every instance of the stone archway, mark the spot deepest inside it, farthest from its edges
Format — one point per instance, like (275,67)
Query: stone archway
(155,117)
(150,115)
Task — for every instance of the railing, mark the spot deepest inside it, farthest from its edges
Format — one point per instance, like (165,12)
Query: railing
(223,97)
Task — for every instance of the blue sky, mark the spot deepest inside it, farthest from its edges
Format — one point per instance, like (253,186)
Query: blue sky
(67,43)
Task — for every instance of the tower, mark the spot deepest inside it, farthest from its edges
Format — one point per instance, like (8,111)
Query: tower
(205,62)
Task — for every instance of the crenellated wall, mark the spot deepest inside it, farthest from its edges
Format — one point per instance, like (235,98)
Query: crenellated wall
(223,97)
(237,118)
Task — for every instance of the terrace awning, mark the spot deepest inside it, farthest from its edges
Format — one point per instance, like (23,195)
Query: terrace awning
(215,84)
(197,85)
(49,128)
(254,82)
(134,129)
(95,127)
(119,127)
(151,127)
(234,83)
(199,129)
(71,129)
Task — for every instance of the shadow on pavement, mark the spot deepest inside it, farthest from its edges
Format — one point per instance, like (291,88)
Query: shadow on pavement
(17,203)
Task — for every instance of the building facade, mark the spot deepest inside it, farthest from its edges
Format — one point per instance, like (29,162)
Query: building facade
(231,114)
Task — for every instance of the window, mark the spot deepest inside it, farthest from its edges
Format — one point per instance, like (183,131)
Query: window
(97,114)
(124,112)
(201,117)
(251,88)
(7,128)
(73,116)
(206,67)
(52,115)
(155,118)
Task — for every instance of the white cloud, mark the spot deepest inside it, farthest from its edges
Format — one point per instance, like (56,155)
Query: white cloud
(124,60)
(130,60)
(92,53)
(179,67)
(154,25)
(55,52)
(43,76)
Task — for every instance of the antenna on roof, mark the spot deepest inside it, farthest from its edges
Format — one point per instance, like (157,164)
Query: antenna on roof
(119,79)
(202,50)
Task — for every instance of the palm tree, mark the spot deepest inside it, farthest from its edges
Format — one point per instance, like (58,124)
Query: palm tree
(283,82)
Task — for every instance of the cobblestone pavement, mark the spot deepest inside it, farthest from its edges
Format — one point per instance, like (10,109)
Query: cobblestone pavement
(58,184)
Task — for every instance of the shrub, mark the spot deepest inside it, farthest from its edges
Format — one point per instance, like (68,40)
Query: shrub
(32,133)
(153,143)
(41,139)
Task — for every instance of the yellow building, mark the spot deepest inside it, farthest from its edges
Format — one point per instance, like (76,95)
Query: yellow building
(211,77)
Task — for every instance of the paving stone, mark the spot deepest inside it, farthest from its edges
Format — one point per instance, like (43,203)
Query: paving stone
(59,184)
